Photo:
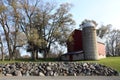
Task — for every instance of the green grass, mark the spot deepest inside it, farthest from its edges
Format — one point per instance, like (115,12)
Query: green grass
(113,62)
(29,60)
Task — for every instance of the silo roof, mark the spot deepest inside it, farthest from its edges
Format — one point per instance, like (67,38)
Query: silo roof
(88,24)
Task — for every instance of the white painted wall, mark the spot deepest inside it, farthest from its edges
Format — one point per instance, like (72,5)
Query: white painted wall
(101,56)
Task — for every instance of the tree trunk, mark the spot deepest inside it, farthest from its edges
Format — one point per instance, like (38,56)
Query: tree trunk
(37,54)
(46,52)
(34,55)
(45,55)
(2,54)
(10,55)
(7,31)
(2,49)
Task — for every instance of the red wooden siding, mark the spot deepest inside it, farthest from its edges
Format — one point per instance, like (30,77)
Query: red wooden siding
(76,45)
(78,40)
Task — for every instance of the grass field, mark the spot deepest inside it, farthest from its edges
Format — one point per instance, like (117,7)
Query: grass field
(113,62)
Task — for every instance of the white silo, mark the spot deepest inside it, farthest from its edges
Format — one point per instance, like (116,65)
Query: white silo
(89,40)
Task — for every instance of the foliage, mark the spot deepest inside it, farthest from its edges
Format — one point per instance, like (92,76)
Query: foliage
(53,24)
(70,39)
(103,30)
(44,24)
(34,39)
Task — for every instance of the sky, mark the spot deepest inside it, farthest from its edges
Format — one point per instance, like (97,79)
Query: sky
(102,11)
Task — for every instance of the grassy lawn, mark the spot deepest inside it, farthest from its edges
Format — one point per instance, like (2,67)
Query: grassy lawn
(29,60)
(113,62)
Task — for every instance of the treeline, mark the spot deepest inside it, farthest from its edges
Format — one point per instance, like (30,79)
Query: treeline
(39,26)
(34,23)
(111,37)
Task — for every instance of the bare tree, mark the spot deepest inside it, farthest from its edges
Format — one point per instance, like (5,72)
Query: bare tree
(9,21)
(57,26)
(113,43)
(44,25)
(4,25)
(53,24)
(27,26)
(103,30)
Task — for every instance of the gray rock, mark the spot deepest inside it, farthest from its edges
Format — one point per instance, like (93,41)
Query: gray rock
(12,66)
(19,73)
(27,73)
(4,72)
(88,73)
(64,74)
(3,69)
(36,73)
(23,72)
(48,68)
(9,75)
(31,72)
(16,73)
(8,70)
(92,67)
(85,64)
(13,72)
(49,63)
(51,73)
(74,74)
(41,74)
(55,74)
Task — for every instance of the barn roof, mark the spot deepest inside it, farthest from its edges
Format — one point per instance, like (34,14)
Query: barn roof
(100,40)
(76,52)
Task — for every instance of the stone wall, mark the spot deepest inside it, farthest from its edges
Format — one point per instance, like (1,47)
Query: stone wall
(56,69)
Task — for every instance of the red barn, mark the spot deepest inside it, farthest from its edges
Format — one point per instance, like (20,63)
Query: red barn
(74,42)
(75,47)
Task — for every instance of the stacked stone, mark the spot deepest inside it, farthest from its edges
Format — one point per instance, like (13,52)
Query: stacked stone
(56,69)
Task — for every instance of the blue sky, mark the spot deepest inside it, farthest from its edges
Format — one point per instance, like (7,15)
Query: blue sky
(102,11)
